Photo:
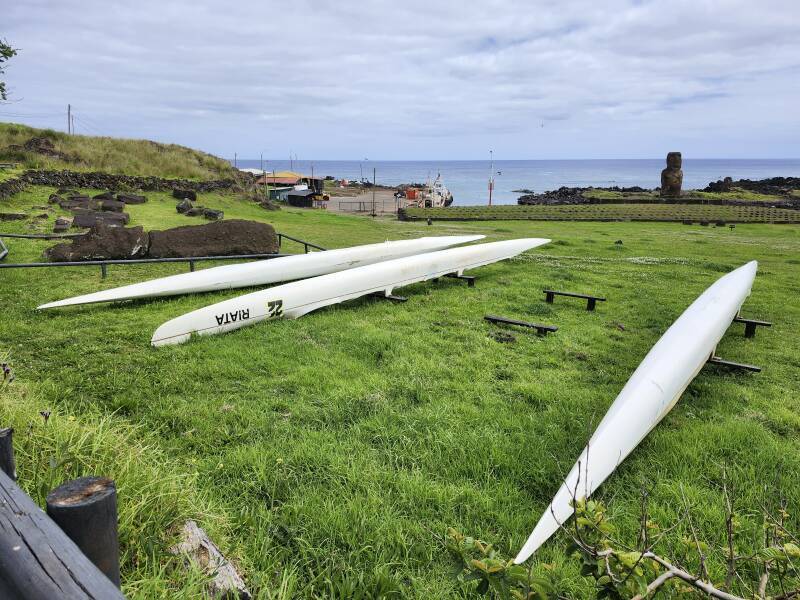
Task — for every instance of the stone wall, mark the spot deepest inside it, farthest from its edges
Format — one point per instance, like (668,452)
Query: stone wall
(110,181)
(10,187)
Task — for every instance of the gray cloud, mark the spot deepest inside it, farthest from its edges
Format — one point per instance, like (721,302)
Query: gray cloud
(441,79)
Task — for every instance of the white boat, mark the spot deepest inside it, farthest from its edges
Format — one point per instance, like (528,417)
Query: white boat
(649,395)
(435,195)
(271,270)
(295,299)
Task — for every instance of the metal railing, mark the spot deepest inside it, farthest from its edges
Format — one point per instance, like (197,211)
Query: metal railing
(103,264)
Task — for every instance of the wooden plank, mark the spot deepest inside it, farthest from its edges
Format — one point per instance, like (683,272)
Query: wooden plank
(540,328)
(37,560)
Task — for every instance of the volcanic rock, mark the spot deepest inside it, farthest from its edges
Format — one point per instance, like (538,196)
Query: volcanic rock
(102,242)
(184,206)
(112,205)
(104,196)
(90,218)
(213,214)
(13,216)
(185,195)
(221,238)
(62,224)
(131,198)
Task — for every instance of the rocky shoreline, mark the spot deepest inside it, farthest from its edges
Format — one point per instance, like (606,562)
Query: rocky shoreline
(779,187)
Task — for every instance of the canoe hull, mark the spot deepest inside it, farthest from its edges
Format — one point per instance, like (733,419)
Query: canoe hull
(295,299)
(651,392)
(273,270)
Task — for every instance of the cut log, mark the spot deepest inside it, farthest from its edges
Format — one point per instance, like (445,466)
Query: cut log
(86,510)
(199,550)
(37,559)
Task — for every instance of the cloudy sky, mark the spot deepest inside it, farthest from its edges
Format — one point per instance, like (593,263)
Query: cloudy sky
(435,79)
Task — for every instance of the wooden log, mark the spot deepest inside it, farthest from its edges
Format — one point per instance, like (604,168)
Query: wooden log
(86,510)
(198,549)
(37,560)
(7,463)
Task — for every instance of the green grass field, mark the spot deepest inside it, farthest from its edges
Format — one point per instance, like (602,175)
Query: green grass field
(112,155)
(609,212)
(329,455)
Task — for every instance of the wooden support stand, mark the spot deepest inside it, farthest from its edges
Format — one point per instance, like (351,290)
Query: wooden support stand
(86,510)
(716,360)
(591,301)
(750,325)
(468,278)
(7,463)
(37,559)
(391,297)
(540,329)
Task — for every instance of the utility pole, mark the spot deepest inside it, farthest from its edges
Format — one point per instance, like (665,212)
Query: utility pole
(262,163)
(69,118)
(491,176)
(235,157)
(373,191)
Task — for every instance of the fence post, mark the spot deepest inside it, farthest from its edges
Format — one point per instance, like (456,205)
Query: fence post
(7,462)
(86,510)
(191,266)
(103,271)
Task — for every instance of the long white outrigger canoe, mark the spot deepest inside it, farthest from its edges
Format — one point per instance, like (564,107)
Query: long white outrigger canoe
(295,299)
(649,395)
(262,272)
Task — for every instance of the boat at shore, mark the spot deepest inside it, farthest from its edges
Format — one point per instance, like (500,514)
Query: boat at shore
(650,393)
(273,270)
(433,195)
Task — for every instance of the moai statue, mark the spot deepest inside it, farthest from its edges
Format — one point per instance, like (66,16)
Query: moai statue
(672,176)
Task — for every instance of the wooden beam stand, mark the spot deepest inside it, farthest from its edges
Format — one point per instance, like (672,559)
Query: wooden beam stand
(391,297)
(468,278)
(7,463)
(750,325)
(540,329)
(591,301)
(716,360)
(37,559)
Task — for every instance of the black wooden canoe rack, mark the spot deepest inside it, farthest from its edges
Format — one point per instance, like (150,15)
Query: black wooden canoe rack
(540,329)
(591,301)
(750,325)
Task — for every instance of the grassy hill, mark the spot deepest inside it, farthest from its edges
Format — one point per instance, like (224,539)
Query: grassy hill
(112,155)
(329,455)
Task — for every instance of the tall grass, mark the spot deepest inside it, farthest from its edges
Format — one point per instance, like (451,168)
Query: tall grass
(113,155)
(342,445)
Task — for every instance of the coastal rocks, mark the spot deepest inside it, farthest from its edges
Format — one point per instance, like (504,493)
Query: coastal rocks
(672,176)
(220,238)
(185,195)
(722,185)
(775,186)
(563,195)
(102,242)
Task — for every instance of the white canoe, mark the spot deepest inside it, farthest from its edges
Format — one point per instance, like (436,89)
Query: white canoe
(272,270)
(295,299)
(649,395)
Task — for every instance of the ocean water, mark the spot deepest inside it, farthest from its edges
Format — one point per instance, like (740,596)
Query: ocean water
(467,179)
